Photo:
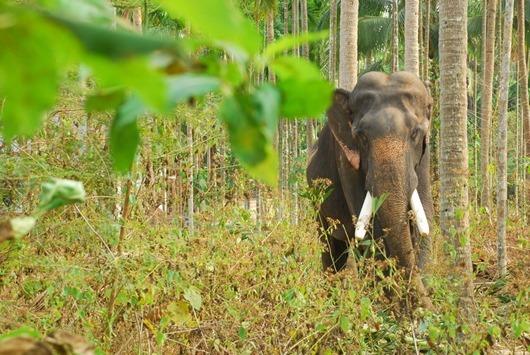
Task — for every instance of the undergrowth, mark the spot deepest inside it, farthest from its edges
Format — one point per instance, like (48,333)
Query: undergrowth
(229,287)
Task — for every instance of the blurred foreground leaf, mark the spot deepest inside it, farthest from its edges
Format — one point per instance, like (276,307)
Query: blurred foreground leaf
(124,137)
(115,44)
(305,92)
(59,192)
(289,41)
(33,53)
(54,193)
(219,20)
(186,86)
(251,120)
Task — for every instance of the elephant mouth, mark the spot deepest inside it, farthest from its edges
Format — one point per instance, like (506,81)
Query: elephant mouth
(416,206)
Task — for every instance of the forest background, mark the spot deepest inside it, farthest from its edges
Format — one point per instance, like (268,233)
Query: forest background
(193,229)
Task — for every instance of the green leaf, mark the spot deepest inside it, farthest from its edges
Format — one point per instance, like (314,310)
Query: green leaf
(124,135)
(23,331)
(250,120)
(33,54)
(180,313)
(194,298)
(377,202)
(242,332)
(288,42)
(59,192)
(366,308)
(183,87)
(304,92)
(344,324)
(115,44)
(93,11)
(135,74)
(22,225)
(266,170)
(219,20)
(105,100)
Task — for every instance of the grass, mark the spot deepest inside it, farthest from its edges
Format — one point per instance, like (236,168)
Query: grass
(228,288)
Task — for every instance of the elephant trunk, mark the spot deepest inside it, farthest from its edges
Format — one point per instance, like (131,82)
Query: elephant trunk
(391,175)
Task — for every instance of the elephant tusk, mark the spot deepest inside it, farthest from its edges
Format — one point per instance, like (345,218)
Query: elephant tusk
(364,217)
(419,213)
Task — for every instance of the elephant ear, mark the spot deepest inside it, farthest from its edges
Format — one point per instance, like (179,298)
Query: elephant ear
(340,123)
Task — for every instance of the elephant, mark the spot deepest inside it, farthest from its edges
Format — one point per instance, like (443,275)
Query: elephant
(375,142)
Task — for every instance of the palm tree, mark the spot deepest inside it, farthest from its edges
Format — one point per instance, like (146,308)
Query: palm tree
(523,84)
(412,53)
(426,40)
(348,44)
(487,97)
(395,36)
(454,219)
(503,139)
(332,40)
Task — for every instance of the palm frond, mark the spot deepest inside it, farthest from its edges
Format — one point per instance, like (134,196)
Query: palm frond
(374,33)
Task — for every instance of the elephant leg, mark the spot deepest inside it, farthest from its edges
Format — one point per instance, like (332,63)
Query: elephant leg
(335,254)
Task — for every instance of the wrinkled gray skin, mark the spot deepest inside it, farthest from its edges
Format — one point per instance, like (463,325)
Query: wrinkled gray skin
(384,122)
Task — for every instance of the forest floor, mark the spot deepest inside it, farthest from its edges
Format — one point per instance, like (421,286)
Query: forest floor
(231,289)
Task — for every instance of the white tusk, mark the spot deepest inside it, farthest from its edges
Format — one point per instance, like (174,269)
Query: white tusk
(364,217)
(419,213)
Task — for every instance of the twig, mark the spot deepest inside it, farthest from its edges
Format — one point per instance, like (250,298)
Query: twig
(414,338)
(94,231)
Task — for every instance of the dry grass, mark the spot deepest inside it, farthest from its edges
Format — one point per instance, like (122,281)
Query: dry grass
(259,291)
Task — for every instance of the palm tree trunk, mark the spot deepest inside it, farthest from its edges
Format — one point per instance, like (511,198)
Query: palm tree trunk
(517,142)
(304,26)
(503,139)
(395,36)
(420,41)
(475,122)
(454,219)
(296,24)
(310,123)
(427,39)
(523,89)
(487,98)
(412,60)
(191,205)
(136,18)
(332,41)
(283,133)
(348,43)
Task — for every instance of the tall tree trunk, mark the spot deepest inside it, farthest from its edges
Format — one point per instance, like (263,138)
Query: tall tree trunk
(332,41)
(136,18)
(395,36)
(349,17)
(310,123)
(503,138)
(412,59)
(420,41)
(475,135)
(191,204)
(523,89)
(304,26)
(488,48)
(427,40)
(454,219)
(283,132)
(518,125)
(296,24)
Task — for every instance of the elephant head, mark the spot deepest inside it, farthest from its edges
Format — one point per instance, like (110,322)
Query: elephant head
(381,146)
